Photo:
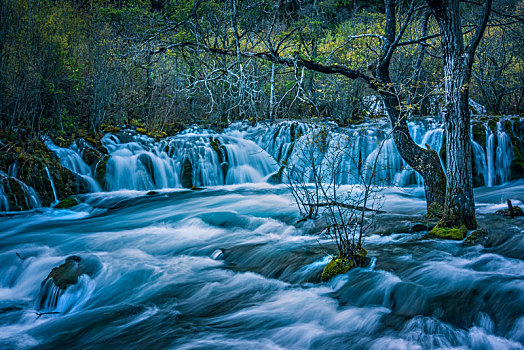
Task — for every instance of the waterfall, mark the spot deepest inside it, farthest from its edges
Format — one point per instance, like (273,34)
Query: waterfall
(246,153)
(137,162)
(71,159)
(498,155)
(504,155)
(52,185)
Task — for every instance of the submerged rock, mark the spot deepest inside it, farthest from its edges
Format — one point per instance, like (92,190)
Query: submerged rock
(407,299)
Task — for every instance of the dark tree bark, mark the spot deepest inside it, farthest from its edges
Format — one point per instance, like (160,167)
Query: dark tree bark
(459,208)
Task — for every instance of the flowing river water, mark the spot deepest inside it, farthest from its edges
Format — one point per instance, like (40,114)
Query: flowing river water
(227,267)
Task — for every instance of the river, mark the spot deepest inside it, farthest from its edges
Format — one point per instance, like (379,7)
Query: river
(227,267)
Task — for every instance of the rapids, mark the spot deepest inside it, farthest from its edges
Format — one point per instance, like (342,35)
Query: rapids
(227,268)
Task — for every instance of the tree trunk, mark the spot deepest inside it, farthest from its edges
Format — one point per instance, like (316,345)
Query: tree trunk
(459,207)
(460,204)
(424,161)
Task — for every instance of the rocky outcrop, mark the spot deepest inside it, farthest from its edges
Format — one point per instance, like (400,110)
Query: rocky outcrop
(15,195)
(221,152)
(187,174)
(35,169)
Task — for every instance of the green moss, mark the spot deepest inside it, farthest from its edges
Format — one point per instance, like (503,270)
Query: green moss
(141,131)
(157,134)
(67,203)
(111,129)
(335,267)
(456,233)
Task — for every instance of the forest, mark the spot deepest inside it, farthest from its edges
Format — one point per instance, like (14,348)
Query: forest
(280,174)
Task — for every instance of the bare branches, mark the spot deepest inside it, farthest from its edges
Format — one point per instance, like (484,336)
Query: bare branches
(472,46)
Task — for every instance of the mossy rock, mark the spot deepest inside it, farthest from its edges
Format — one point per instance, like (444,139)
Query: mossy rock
(517,211)
(111,129)
(477,237)
(492,124)
(336,266)
(67,203)
(157,134)
(141,131)
(454,233)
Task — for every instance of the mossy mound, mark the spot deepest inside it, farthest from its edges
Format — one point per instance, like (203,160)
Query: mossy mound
(141,131)
(337,266)
(67,203)
(455,233)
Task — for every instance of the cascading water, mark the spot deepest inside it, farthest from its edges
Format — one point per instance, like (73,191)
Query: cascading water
(360,143)
(52,184)
(498,155)
(71,159)
(137,162)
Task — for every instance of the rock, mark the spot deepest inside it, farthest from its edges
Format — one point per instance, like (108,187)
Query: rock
(141,131)
(187,174)
(67,203)
(276,178)
(64,276)
(151,193)
(67,274)
(517,211)
(15,195)
(335,267)
(221,152)
(477,237)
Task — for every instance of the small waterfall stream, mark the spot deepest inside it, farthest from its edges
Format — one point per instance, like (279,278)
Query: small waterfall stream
(52,185)
(71,159)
